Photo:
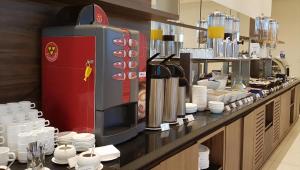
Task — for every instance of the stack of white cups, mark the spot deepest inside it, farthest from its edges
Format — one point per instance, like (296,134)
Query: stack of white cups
(23,140)
(199,97)
(203,157)
(21,124)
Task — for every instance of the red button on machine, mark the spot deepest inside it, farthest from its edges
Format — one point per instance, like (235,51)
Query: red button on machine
(120,42)
(132,42)
(120,53)
(119,65)
(119,76)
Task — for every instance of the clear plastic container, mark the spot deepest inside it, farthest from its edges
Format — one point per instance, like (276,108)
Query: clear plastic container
(273,33)
(262,29)
(236,29)
(156,31)
(228,27)
(216,25)
(202,34)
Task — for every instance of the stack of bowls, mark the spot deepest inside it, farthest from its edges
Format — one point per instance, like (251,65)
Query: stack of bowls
(83,141)
(190,108)
(203,157)
(216,107)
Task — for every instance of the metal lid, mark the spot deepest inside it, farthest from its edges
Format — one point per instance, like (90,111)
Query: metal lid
(216,14)
(228,17)
(236,19)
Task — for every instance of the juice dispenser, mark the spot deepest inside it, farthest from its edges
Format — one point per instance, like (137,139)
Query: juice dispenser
(235,37)
(179,38)
(273,33)
(262,29)
(156,38)
(202,34)
(216,30)
(168,43)
(228,27)
(227,46)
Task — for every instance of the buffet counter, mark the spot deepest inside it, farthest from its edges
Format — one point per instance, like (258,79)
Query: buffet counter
(149,150)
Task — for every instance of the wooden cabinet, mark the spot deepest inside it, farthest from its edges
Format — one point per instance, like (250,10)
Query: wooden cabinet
(233,145)
(253,141)
(184,160)
(276,122)
(285,113)
(297,107)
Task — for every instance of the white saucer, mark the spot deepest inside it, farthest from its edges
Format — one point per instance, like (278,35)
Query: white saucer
(58,162)
(4,167)
(44,168)
(99,168)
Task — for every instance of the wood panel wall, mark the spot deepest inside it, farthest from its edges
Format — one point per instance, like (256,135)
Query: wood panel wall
(20,28)
(21,22)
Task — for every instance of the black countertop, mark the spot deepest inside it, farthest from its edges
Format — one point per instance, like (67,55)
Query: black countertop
(148,149)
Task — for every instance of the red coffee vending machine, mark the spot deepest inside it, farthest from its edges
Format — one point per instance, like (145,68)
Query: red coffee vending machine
(92,77)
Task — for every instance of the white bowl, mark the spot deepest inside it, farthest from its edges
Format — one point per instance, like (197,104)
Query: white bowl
(64,152)
(216,110)
(218,103)
(85,159)
(209,84)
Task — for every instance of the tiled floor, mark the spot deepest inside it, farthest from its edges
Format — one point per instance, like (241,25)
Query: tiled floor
(287,155)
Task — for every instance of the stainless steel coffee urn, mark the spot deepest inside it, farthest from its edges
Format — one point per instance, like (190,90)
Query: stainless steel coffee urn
(171,91)
(157,74)
(183,82)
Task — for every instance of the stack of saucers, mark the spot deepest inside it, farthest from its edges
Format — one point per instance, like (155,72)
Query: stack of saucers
(83,141)
(203,157)
(190,108)
(66,137)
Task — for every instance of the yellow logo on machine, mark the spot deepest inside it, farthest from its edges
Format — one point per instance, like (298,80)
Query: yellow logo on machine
(51,51)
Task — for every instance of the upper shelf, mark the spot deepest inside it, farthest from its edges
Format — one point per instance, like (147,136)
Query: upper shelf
(138,8)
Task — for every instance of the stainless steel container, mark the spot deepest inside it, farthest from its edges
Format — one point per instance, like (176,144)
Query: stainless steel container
(171,99)
(183,83)
(156,103)
(181,101)
(156,76)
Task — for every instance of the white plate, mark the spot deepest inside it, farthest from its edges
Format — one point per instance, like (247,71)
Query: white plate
(107,153)
(58,162)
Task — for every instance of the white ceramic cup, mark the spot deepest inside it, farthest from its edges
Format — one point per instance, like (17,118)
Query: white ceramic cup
(64,152)
(22,156)
(34,114)
(41,123)
(19,116)
(2,140)
(89,159)
(3,108)
(26,138)
(14,106)
(7,119)
(2,128)
(25,105)
(6,156)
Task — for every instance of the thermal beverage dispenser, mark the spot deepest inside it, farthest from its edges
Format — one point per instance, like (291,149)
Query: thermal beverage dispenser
(157,74)
(90,76)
